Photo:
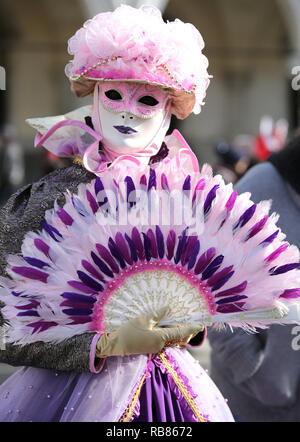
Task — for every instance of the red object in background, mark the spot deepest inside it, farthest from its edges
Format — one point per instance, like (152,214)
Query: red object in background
(271,138)
(261,152)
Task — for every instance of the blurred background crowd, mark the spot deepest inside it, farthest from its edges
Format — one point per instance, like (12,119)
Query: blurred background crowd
(251,105)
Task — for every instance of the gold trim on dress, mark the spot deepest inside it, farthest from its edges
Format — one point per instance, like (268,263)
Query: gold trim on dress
(182,387)
(127,415)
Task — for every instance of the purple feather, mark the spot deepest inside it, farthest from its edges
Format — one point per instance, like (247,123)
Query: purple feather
(77,297)
(212,267)
(116,184)
(77,311)
(276,253)
(222,223)
(65,217)
(257,227)
(93,203)
(204,260)
(30,273)
(130,188)
(222,281)
(291,294)
(29,313)
(232,299)
(79,206)
(132,248)
(114,250)
(147,247)
(247,215)
(219,276)
(180,247)
(194,255)
(233,290)
(283,269)
(136,238)
(160,242)
(171,241)
(123,248)
(90,282)
(164,182)
(42,247)
(91,269)
(18,294)
(80,320)
(143,180)
(41,326)
(153,248)
(105,254)
(101,264)
(270,239)
(35,262)
(32,304)
(52,231)
(100,193)
(152,180)
(199,187)
(210,198)
(98,185)
(82,287)
(187,184)
(231,308)
(231,201)
(130,184)
(190,243)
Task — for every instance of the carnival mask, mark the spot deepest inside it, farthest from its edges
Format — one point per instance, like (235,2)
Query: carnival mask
(132,116)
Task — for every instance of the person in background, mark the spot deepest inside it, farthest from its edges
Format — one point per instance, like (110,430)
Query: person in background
(232,162)
(260,373)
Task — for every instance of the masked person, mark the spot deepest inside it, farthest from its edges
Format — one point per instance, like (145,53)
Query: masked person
(121,270)
(140,71)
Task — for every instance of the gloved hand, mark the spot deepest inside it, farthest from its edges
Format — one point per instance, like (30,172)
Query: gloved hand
(141,336)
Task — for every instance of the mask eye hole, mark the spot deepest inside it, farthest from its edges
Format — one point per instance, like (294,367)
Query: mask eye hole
(113,94)
(148,100)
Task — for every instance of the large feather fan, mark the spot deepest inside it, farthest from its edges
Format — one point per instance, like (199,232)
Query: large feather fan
(117,250)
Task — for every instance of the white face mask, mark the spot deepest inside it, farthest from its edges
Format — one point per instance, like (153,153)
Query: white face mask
(132,117)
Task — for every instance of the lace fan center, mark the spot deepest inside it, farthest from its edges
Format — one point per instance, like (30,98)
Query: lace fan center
(146,287)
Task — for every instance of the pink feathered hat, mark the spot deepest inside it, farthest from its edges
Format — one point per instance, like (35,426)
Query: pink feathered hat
(132,44)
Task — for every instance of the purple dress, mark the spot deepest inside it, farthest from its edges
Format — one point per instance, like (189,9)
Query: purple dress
(169,387)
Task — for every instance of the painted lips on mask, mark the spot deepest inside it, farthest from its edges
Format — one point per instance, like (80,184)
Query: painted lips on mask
(126,130)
